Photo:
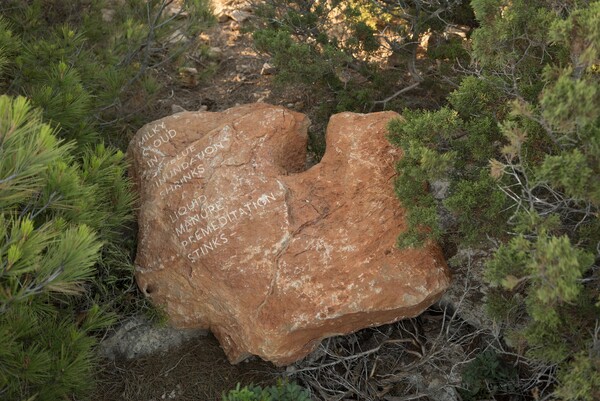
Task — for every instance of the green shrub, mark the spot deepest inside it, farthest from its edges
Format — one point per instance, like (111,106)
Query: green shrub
(580,379)
(66,239)
(58,217)
(519,145)
(91,73)
(283,391)
(487,376)
(339,49)
(92,76)
(440,145)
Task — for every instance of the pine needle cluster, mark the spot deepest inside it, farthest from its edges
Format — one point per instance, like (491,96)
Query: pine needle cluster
(88,70)
(57,214)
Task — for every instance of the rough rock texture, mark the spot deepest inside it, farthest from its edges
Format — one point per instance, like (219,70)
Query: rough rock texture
(468,291)
(138,336)
(236,237)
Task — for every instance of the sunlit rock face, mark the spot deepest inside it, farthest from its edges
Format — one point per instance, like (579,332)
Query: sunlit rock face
(236,237)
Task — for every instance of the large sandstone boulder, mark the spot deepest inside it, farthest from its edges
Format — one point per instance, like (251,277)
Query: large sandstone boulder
(236,237)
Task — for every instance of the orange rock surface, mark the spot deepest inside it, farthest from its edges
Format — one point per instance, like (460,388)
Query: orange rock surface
(235,237)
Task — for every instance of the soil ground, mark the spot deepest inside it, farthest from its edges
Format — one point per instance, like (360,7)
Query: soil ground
(233,76)
(197,370)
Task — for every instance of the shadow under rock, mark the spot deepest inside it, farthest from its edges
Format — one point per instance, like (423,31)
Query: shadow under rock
(197,370)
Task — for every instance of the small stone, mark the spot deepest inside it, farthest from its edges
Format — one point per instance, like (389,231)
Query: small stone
(175,108)
(239,15)
(176,37)
(188,76)
(260,97)
(234,27)
(222,12)
(188,70)
(267,69)
(243,68)
(175,10)
(215,52)
(439,189)
(107,14)
(222,17)
(138,337)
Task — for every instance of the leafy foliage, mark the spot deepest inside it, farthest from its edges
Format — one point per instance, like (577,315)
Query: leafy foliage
(283,391)
(486,376)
